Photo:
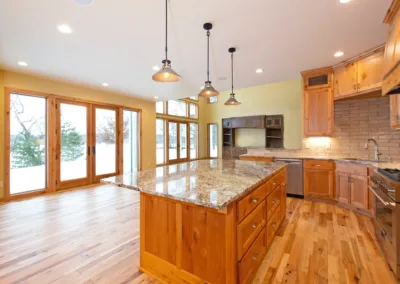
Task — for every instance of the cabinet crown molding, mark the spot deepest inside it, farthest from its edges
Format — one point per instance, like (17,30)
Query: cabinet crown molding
(392,11)
(367,53)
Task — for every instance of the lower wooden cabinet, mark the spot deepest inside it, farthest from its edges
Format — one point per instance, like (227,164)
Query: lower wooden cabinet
(256,159)
(359,191)
(318,183)
(342,187)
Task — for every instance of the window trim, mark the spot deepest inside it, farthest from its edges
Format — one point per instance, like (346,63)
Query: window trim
(208,141)
(209,102)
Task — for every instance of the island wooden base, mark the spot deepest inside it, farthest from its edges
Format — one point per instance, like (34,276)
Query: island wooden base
(185,243)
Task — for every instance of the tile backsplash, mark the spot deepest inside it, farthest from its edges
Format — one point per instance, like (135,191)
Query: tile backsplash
(355,122)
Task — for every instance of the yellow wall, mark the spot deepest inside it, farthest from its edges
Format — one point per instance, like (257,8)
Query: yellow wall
(27,82)
(277,98)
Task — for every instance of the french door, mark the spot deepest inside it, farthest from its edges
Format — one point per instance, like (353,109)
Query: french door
(178,149)
(73,165)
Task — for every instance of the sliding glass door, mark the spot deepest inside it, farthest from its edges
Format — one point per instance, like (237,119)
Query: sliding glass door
(28,143)
(212,132)
(177,142)
(131,124)
(73,140)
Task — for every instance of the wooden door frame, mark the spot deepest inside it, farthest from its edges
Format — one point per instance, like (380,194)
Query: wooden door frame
(208,141)
(81,181)
(7,143)
(96,178)
(178,133)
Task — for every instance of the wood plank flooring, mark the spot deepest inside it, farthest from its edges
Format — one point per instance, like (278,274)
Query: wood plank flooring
(92,236)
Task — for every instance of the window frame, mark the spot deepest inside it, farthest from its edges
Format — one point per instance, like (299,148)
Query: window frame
(208,141)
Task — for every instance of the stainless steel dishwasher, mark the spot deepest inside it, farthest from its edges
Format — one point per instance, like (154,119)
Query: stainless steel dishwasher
(294,185)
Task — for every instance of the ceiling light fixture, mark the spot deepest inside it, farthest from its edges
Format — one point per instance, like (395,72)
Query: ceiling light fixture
(156,97)
(105,84)
(166,74)
(338,53)
(83,2)
(259,70)
(208,90)
(344,1)
(232,101)
(22,63)
(65,29)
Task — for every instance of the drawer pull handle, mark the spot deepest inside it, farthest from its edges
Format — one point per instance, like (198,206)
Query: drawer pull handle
(274,183)
(254,225)
(317,165)
(255,256)
(273,201)
(273,224)
(254,200)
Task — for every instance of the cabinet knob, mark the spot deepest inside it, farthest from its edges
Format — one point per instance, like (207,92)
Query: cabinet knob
(254,200)
(273,201)
(254,225)
(273,224)
(255,256)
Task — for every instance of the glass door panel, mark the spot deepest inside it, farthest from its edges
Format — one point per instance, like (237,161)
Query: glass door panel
(213,140)
(172,141)
(183,141)
(73,143)
(28,143)
(160,141)
(105,137)
(131,141)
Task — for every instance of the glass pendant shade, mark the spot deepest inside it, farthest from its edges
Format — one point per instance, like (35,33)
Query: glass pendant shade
(232,101)
(166,74)
(208,91)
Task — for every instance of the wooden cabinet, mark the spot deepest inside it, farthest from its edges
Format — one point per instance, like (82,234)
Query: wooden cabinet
(395,111)
(318,112)
(256,159)
(318,180)
(359,75)
(359,191)
(391,66)
(249,122)
(346,80)
(317,79)
(342,187)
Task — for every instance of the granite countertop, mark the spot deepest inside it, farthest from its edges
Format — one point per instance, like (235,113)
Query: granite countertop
(382,164)
(210,183)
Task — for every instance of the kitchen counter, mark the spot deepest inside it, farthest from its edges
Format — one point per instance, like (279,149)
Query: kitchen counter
(280,155)
(210,183)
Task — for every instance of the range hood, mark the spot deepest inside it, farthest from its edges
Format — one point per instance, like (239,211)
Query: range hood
(395,90)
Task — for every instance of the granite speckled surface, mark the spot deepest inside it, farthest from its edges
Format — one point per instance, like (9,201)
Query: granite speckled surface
(210,183)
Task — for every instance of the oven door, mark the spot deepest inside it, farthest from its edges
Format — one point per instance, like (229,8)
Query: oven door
(385,226)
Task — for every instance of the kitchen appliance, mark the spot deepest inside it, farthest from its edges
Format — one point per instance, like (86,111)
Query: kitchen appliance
(385,185)
(294,185)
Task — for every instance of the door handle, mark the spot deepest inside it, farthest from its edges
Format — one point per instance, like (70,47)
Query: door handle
(94,150)
(88,150)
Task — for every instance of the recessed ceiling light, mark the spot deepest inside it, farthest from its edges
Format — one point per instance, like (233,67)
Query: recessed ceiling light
(22,63)
(105,84)
(83,2)
(65,29)
(259,70)
(344,1)
(156,68)
(338,54)
(156,97)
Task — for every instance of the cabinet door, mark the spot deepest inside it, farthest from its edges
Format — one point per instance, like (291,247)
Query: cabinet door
(346,80)
(283,200)
(318,183)
(369,72)
(388,61)
(342,187)
(395,111)
(318,112)
(359,191)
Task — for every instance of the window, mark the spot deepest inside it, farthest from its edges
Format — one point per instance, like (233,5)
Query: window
(177,108)
(213,140)
(196,98)
(213,100)
(160,107)
(193,140)
(131,141)
(193,111)
(160,141)
(28,143)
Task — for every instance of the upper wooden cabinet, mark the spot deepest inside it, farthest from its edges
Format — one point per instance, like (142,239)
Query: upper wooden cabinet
(395,111)
(318,102)
(391,66)
(318,112)
(257,121)
(359,75)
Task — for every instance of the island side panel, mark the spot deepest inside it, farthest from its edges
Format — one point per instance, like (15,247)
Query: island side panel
(203,241)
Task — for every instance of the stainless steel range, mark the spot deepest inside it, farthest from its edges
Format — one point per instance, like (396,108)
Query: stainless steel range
(385,185)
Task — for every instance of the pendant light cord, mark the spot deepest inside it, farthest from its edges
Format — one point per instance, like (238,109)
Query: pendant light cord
(166,30)
(232,69)
(208,55)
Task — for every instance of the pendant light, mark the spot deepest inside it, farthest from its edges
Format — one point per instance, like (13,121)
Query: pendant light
(232,101)
(208,90)
(166,74)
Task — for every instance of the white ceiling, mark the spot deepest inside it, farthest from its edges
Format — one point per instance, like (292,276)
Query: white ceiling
(119,41)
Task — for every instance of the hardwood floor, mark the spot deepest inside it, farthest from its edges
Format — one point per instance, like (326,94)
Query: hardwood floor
(92,236)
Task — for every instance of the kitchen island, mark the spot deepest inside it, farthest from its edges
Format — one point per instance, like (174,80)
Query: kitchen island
(207,221)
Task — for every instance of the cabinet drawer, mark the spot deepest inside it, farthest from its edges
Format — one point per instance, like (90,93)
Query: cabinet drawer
(250,201)
(252,259)
(248,230)
(273,201)
(272,226)
(352,169)
(318,164)
(274,182)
